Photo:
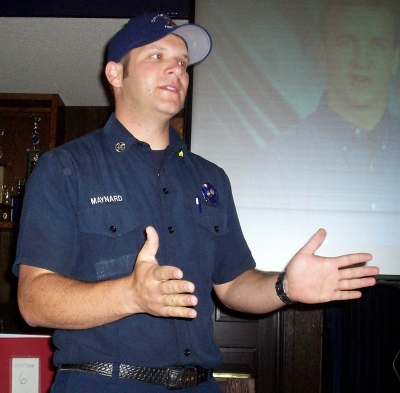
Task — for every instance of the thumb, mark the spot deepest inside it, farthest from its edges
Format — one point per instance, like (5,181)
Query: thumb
(150,246)
(314,243)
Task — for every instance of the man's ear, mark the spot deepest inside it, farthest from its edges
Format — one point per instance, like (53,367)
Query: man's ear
(113,73)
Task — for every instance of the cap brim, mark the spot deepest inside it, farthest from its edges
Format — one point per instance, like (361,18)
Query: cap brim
(197,39)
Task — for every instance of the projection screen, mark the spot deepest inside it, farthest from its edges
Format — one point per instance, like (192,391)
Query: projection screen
(300,104)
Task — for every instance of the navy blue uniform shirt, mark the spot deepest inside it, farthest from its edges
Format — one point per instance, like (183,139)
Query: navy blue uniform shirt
(86,207)
(327,172)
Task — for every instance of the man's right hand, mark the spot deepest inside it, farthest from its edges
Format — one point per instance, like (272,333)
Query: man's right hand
(48,299)
(160,290)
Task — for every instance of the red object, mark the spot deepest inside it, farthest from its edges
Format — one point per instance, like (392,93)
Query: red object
(26,346)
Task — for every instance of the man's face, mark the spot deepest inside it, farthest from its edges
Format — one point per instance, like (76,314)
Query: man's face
(359,55)
(157,80)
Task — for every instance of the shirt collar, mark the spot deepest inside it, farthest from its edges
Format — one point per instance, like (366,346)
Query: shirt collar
(330,117)
(120,139)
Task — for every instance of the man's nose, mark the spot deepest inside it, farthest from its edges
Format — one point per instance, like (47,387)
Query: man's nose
(175,67)
(361,55)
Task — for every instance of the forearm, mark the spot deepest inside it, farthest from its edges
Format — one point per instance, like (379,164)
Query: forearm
(54,301)
(253,291)
(309,279)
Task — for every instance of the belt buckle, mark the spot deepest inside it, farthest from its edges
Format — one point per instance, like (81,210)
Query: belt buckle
(180,378)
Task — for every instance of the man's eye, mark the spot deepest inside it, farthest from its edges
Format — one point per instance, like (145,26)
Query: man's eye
(156,56)
(183,64)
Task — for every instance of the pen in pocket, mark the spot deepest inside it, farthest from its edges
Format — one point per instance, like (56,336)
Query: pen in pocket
(198,203)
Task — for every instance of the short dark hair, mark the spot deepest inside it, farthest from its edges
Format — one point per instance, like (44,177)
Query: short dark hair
(393,6)
(125,64)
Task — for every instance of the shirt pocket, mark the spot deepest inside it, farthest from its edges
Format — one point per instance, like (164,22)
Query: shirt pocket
(210,227)
(213,218)
(110,239)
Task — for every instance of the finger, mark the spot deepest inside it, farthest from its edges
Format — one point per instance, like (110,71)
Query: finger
(358,272)
(148,253)
(353,259)
(180,312)
(151,244)
(180,300)
(314,243)
(170,287)
(347,295)
(357,283)
(163,273)
(150,247)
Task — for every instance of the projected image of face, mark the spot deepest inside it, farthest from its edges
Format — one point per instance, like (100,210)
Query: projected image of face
(359,55)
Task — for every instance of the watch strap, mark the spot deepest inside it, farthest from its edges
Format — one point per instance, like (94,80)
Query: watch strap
(280,290)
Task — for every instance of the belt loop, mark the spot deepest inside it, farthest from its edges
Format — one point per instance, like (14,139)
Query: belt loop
(115,373)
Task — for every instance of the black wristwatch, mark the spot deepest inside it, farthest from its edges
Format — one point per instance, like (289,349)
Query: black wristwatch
(280,290)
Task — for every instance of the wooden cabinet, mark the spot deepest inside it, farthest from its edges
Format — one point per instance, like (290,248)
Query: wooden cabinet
(29,123)
(279,352)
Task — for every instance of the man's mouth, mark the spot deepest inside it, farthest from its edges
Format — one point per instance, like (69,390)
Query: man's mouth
(170,88)
(360,81)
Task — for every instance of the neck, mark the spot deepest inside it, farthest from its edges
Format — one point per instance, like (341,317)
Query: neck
(366,117)
(153,131)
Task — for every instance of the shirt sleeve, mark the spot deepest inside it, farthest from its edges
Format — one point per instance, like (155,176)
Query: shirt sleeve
(48,228)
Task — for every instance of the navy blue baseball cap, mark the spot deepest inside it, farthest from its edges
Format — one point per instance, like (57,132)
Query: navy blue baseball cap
(148,28)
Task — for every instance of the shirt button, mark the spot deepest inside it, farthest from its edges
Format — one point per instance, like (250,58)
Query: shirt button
(187,352)
(165,190)
(216,228)
(170,229)
(113,229)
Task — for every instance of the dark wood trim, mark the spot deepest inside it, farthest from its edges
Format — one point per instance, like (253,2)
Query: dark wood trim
(93,8)
(285,346)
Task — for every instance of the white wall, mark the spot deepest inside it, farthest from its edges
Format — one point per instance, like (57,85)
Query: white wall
(256,53)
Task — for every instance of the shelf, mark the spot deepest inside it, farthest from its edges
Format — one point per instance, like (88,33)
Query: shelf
(28,109)
(8,225)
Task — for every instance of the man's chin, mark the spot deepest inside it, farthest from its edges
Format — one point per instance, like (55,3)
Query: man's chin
(171,110)
(360,98)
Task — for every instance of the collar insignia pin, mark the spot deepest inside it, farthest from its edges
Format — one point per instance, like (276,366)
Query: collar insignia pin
(120,146)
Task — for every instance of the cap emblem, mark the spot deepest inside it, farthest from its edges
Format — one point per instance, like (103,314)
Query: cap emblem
(169,23)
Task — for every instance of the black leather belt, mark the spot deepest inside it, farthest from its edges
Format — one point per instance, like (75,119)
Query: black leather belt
(174,378)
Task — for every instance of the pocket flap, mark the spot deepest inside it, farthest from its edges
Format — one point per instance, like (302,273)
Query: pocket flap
(213,218)
(109,220)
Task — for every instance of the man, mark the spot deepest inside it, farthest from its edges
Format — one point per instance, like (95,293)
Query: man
(121,252)
(359,51)
(339,164)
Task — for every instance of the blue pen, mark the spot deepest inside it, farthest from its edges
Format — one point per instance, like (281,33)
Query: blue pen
(198,202)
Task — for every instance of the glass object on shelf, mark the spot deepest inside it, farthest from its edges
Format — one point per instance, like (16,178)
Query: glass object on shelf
(32,159)
(2,132)
(6,195)
(11,201)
